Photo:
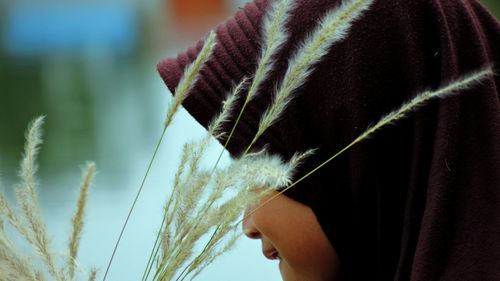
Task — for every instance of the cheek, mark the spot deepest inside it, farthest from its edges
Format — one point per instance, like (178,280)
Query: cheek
(292,228)
(305,250)
(309,257)
(272,221)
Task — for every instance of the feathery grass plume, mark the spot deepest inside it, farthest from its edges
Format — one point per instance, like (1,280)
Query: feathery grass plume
(210,252)
(202,209)
(242,175)
(190,77)
(175,190)
(27,197)
(455,87)
(452,88)
(190,186)
(28,164)
(178,182)
(215,130)
(77,221)
(193,191)
(183,233)
(215,126)
(252,170)
(7,211)
(29,223)
(211,257)
(225,217)
(186,84)
(192,153)
(192,195)
(332,28)
(262,170)
(164,237)
(274,36)
(14,265)
(93,275)
(190,159)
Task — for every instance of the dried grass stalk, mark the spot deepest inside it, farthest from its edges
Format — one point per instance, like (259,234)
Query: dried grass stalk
(13,265)
(78,219)
(7,211)
(200,210)
(215,126)
(455,87)
(331,29)
(274,36)
(190,77)
(29,223)
(93,275)
(27,197)
(452,88)
(196,206)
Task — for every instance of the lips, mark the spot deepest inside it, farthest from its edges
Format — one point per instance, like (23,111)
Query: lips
(271,253)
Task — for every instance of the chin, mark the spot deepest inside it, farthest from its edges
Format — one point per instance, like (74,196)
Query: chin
(290,274)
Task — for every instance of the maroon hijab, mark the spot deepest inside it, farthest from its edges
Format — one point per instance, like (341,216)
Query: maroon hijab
(420,200)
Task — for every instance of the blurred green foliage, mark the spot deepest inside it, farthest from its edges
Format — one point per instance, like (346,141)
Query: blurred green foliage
(67,88)
(26,94)
(494,6)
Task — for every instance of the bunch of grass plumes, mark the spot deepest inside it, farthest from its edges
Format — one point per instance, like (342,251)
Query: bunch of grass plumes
(211,201)
(203,210)
(27,223)
(199,202)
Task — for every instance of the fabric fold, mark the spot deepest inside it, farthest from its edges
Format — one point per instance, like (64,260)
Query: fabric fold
(419,200)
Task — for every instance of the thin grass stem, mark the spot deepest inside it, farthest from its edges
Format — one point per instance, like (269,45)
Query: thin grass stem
(134,202)
(199,256)
(454,87)
(154,252)
(275,36)
(332,28)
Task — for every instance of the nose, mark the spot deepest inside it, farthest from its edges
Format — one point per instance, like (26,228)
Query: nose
(249,228)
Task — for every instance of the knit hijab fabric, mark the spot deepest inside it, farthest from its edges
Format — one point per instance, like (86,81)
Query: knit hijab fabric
(420,199)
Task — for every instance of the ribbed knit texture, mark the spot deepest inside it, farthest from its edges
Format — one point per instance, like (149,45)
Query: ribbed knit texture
(420,200)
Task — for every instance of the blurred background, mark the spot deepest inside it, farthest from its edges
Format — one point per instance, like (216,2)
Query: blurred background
(90,67)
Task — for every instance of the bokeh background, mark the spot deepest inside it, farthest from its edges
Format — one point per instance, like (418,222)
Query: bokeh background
(89,66)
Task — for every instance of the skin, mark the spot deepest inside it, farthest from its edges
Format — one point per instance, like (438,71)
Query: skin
(290,232)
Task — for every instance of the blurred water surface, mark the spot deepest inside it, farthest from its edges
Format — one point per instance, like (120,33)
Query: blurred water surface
(90,68)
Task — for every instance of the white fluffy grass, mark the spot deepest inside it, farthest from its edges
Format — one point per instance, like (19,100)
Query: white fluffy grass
(332,28)
(203,202)
(28,224)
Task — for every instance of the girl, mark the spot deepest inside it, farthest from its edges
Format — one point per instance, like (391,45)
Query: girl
(419,200)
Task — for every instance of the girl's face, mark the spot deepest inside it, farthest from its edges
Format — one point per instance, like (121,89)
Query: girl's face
(290,232)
